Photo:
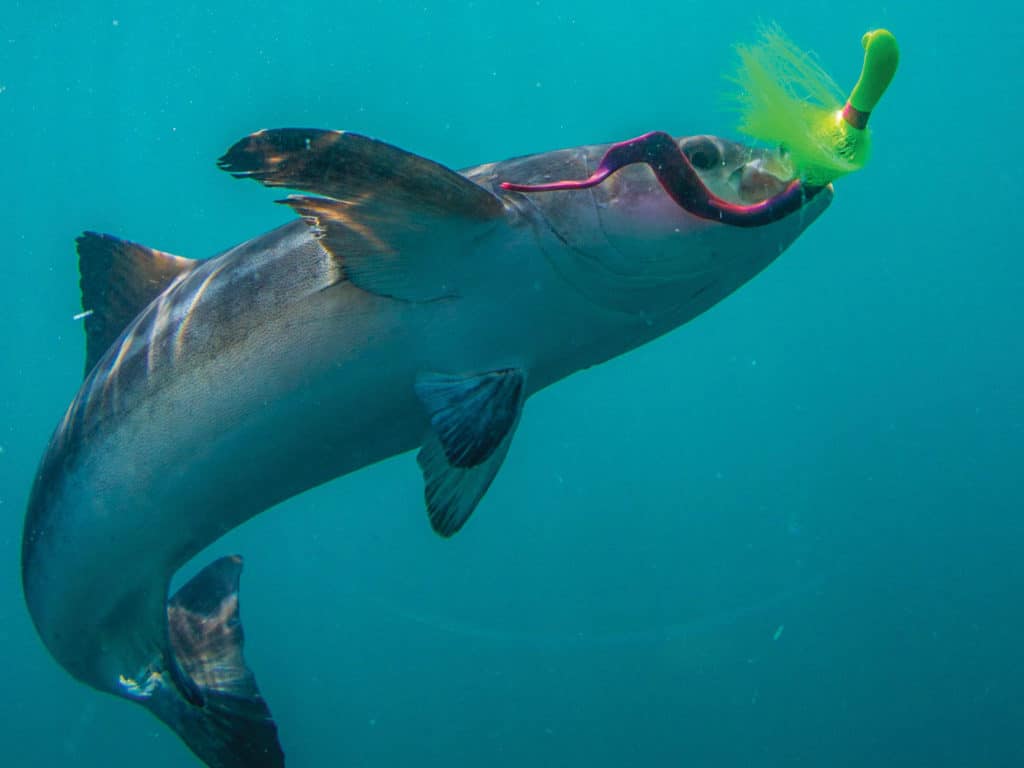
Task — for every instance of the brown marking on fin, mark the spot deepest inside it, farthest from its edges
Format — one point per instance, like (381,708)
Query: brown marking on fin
(221,715)
(118,280)
(388,251)
(399,225)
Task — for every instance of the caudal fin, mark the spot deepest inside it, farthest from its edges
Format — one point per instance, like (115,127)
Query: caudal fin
(220,714)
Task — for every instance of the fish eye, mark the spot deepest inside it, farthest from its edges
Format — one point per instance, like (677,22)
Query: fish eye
(703,154)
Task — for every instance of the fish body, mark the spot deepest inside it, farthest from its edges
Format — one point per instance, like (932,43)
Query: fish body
(408,306)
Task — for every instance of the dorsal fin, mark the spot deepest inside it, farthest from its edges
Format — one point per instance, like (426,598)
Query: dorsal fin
(119,279)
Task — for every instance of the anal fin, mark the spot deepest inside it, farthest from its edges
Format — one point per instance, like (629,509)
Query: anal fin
(221,717)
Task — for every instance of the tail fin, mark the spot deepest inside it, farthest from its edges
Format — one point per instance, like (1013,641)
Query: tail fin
(216,709)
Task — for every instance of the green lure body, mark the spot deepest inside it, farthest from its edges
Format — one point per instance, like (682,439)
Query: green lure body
(787,98)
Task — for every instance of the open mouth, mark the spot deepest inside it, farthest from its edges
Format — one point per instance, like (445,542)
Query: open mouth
(761,178)
(773,197)
(759,173)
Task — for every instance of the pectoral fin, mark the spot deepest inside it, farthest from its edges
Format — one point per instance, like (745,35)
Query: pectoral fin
(358,170)
(401,225)
(472,421)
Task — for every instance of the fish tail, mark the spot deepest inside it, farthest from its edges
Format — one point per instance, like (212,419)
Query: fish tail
(212,701)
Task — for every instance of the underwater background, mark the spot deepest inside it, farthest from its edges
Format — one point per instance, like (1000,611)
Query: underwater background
(788,533)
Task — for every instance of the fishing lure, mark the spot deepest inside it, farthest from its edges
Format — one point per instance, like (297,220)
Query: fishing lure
(786,98)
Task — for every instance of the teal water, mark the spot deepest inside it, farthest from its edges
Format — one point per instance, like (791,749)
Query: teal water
(788,533)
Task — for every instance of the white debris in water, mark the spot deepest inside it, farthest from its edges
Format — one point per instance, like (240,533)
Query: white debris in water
(82,315)
(778,632)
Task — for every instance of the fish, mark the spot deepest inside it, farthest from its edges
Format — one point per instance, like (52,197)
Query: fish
(406,306)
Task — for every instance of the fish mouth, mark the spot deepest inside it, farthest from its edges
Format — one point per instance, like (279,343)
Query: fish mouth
(738,173)
(746,186)
(766,179)
(683,170)
(764,176)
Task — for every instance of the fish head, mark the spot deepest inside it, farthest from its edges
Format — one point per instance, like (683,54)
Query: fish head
(633,248)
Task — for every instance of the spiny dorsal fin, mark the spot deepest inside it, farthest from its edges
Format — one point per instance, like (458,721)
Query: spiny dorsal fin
(119,279)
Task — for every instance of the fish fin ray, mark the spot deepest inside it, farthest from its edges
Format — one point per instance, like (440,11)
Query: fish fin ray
(359,170)
(400,225)
(230,726)
(452,493)
(119,279)
(471,415)
(460,458)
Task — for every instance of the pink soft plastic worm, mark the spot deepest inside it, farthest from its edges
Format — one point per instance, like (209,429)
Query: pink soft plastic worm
(683,184)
